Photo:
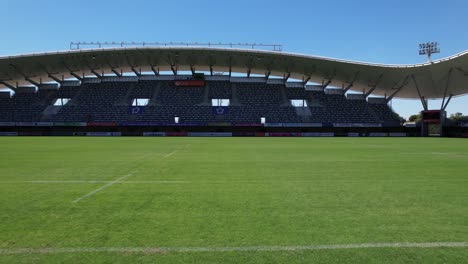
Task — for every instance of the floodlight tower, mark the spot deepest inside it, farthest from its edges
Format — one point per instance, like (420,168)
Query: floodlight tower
(428,49)
(432,120)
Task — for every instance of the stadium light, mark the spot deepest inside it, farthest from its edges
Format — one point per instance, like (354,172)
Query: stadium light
(428,49)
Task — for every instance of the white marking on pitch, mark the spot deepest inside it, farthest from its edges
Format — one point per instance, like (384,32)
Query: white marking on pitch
(433,153)
(232,249)
(119,182)
(103,187)
(186,146)
(231,182)
(169,154)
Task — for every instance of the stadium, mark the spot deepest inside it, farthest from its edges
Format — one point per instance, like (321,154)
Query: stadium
(235,151)
(220,91)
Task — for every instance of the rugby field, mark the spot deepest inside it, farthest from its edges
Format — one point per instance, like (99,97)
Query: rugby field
(233,200)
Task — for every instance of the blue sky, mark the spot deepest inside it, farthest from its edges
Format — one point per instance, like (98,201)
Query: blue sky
(371,31)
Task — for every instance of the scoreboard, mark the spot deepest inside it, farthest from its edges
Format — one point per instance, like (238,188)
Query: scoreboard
(432,122)
(433,116)
(190,83)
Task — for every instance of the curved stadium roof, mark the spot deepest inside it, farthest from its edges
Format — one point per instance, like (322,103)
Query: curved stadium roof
(444,77)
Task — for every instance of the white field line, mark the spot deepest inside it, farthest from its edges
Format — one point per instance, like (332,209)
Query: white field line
(434,153)
(186,146)
(103,187)
(231,249)
(238,182)
(119,182)
(169,154)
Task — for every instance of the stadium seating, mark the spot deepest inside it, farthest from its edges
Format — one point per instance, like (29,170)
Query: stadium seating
(261,100)
(249,101)
(24,106)
(385,114)
(95,103)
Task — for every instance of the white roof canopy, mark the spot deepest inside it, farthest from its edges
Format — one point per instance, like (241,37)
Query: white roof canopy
(441,78)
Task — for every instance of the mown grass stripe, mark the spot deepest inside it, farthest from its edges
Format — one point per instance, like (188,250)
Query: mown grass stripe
(231,249)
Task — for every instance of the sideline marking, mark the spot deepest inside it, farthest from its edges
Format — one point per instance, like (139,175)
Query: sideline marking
(119,182)
(237,181)
(231,249)
(103,187)
(434,153)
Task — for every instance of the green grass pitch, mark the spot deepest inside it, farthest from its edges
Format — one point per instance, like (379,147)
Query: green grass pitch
(223,200)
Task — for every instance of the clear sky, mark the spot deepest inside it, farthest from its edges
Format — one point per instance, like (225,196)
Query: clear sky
(363,30)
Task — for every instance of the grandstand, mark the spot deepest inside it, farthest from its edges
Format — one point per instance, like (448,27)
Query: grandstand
(109,102)
(79,91)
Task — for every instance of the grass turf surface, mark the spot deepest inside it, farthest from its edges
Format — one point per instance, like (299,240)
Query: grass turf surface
(229,192)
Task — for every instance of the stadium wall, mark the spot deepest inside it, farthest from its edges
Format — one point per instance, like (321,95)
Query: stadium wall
(92,129)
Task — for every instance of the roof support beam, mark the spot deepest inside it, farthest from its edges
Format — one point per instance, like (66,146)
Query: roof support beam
(211,70)
(192,69)
(119,74)
(71,71)
(388,99)
(248,72)
(8,85)
(93,70)
(351,84)
(371,90)
(462,71)
(97,74)
(132,67)
(156,71)
(49,74)
(32,82)
(137,73)
(346,89)
(26,78)
(374,85)
(324,85)
(398,89)
(113,69)
(446,104)
(229,64)
(446,88)
(286,77)
(267,74)
(174,69)
(423,101)
(54,78)
(306,80)
(76,76)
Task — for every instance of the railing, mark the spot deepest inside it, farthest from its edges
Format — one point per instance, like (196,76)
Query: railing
(98,44)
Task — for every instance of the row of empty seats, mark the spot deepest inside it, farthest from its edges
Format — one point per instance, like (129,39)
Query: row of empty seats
(249,102)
